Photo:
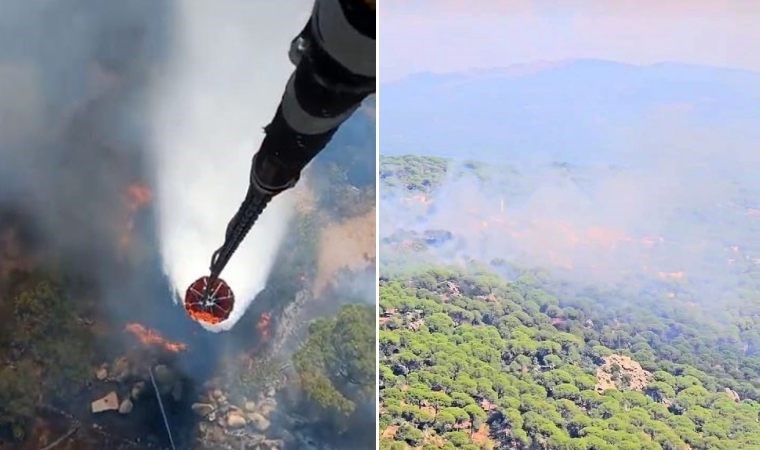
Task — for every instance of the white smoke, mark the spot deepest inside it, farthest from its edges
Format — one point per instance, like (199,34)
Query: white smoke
(228,69)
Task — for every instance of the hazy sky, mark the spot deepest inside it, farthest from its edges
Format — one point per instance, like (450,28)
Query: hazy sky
(454,35)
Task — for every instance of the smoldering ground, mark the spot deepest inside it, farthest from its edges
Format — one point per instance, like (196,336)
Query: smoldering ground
(679,215)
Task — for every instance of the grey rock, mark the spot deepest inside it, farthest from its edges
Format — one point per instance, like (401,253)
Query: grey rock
(202,409)
(259,421)
(121,370)
(137,390)
(126,406)
(235,420)
(267,405)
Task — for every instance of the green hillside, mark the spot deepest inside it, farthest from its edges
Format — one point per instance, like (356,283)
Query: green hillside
(471,361)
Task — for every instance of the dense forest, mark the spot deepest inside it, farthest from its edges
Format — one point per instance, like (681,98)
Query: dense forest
(486,343)
(471,361)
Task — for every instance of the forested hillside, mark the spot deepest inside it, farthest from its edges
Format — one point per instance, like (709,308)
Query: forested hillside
(598,223)
(563,306)
(472,361)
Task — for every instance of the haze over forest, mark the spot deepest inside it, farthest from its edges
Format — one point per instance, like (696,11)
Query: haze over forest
(609,204)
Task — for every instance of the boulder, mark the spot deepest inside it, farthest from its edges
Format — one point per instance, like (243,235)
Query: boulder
(137,390)
(250,406)
(267,405)
(235,420)
(259,422)
(126,406)
(108,403)
(121,370)
(202,409)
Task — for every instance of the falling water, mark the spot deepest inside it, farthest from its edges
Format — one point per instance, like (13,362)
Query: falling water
(228,69)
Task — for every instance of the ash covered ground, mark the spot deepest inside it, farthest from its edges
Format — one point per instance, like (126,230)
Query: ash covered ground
(91,319)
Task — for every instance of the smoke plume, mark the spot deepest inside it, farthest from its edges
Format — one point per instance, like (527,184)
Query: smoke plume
(168,100)
(223,84)
(680,216)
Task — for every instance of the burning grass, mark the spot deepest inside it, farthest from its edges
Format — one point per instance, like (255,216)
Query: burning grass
(152,337)
(136,196)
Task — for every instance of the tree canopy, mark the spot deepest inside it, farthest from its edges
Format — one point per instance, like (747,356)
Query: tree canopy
(471,361)
(336,365)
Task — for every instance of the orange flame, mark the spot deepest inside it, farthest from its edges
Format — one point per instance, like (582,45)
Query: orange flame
(265,319)
(136,196)
(152,337)
(421,198)
(672,275)
(606,237)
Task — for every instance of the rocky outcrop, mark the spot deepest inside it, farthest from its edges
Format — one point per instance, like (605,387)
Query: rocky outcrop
(236,419)
(129,377)
(621,372)
(231,422)
(259,422)
(732,394)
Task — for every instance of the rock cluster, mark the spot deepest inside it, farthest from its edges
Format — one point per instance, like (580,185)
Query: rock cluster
(130,381)
(232,423)
(621,372)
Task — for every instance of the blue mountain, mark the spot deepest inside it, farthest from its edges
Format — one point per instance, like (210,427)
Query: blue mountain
(577,111)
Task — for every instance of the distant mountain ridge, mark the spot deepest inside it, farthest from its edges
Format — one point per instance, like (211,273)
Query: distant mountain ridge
(576,111)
